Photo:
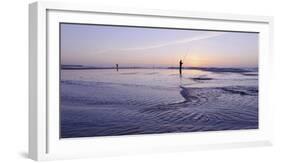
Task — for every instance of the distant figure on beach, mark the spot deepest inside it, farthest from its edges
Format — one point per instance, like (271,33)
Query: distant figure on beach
(117,67)
(181,66)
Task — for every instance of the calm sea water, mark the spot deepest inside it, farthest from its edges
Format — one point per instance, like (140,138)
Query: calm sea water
(106,102)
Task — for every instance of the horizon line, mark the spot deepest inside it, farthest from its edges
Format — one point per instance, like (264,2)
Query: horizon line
(114,67)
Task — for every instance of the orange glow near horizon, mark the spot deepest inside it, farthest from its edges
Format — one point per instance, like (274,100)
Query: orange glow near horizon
(194,60)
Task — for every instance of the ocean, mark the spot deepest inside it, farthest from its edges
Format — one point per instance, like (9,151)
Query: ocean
(132,101)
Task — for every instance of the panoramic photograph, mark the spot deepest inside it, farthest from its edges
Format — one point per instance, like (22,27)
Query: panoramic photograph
(127,80)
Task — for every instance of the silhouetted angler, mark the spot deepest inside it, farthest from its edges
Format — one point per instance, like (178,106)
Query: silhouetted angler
(117,67)
(181,66)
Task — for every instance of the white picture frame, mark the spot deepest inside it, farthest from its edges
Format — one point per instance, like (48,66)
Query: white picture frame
(44,141)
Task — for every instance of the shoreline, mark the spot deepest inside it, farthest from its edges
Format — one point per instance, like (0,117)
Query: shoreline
(210,69)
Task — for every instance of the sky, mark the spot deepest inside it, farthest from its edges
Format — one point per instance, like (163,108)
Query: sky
(103,46)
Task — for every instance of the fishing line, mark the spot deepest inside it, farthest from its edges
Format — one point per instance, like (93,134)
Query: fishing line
(185,55)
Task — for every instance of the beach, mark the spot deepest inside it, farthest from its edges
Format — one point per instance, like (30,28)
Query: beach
(107,102)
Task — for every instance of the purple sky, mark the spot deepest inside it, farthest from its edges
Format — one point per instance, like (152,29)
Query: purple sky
(130,46)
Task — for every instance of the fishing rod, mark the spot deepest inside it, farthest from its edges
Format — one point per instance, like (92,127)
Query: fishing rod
(185,55)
